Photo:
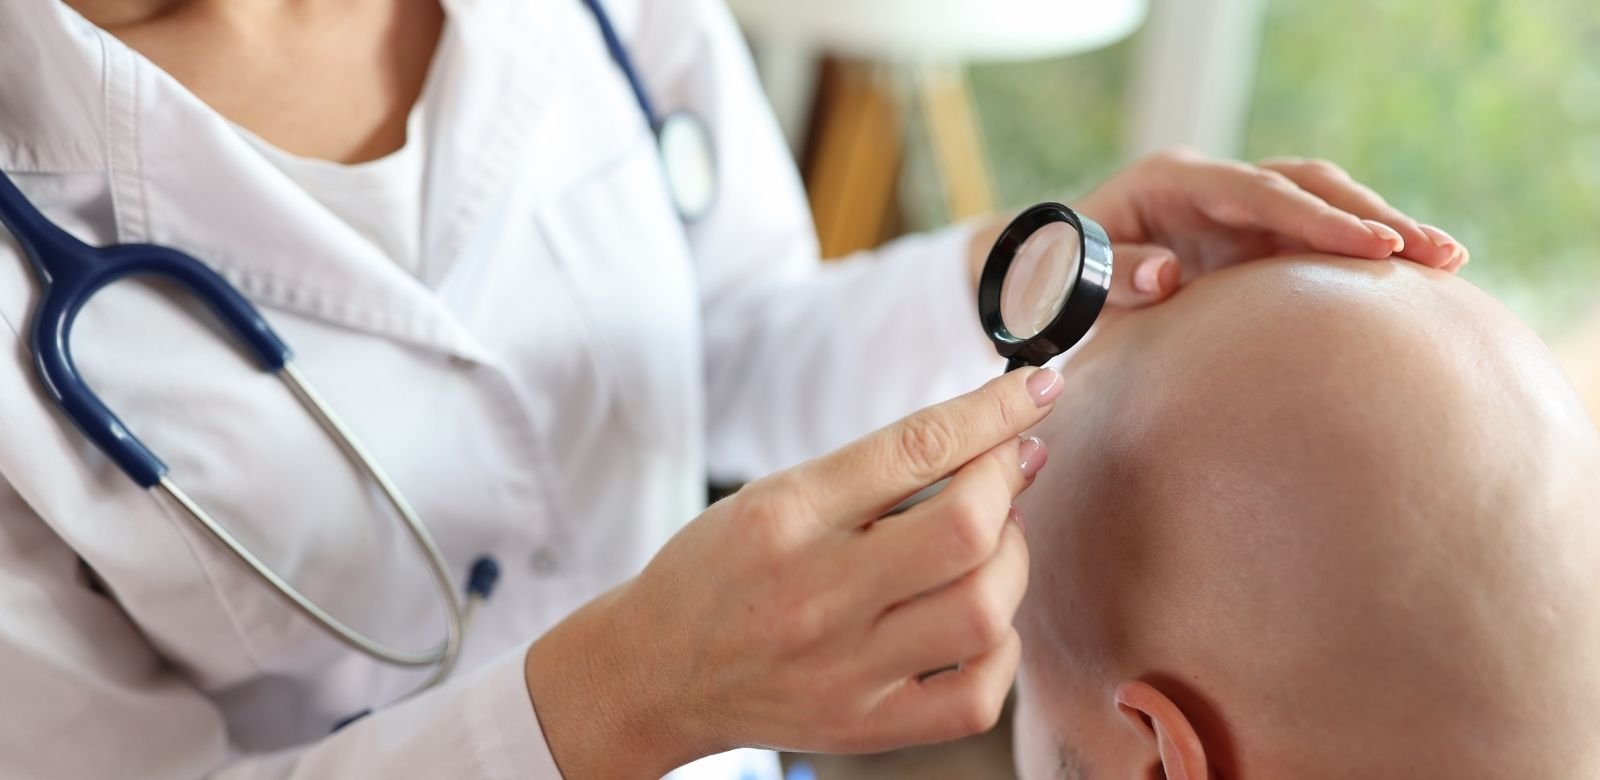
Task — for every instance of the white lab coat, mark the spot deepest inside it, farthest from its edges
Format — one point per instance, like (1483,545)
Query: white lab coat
(551,391)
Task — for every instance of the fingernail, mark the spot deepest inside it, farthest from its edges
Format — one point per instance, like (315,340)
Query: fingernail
(1445,241)
(1032,455)
(1044,386)
(1386,233)
(1147,277)
(1016,517)
(1439,238)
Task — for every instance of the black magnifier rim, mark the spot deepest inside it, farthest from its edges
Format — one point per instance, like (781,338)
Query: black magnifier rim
(1085,299)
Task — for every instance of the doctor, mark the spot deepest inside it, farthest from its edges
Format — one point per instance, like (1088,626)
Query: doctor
(457,218)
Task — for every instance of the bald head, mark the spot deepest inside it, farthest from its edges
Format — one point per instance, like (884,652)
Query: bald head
(1315,518)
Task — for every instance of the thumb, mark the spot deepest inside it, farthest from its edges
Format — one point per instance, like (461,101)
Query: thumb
(1143,274)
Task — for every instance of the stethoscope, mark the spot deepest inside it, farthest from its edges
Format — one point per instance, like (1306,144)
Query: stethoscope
(683,143)
(70,272)
(1042,287)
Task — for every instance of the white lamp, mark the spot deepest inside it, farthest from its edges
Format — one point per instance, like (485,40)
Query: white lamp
(949,30)
(936,38)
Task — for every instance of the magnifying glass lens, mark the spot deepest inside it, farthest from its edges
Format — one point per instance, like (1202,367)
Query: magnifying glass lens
(1040,279)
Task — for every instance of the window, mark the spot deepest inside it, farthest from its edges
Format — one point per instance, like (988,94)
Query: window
(1480,116)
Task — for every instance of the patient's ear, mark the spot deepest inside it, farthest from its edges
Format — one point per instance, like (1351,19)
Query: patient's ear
(1157,719)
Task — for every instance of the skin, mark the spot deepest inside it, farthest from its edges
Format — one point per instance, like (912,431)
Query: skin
(266,64)
(785,616)
(1314,518)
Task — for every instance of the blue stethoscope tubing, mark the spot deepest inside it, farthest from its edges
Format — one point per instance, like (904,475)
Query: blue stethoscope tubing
(619,55)
(71,272)
(683,143)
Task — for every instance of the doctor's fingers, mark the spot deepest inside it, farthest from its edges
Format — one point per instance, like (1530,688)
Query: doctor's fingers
(1143,274)
(962,620)
(1246,196)
(859,483)
(1429,246)
(951,534)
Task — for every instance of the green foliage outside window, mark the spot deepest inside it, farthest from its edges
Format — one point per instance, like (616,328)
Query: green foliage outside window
(1480,116)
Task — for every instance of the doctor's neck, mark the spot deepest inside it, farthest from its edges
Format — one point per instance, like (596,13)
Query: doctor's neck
(329,79)
(111,14)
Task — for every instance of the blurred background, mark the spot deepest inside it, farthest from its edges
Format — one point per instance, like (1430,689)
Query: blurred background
(1479,116)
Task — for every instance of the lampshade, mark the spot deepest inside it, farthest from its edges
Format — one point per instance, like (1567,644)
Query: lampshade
(960,30)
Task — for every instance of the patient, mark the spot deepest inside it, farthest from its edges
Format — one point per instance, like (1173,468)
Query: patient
(1314,519)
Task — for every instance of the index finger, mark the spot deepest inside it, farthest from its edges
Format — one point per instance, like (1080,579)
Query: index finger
(866,478)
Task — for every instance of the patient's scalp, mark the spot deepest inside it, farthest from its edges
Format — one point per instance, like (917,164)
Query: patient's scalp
(1408,374)
(1348,496)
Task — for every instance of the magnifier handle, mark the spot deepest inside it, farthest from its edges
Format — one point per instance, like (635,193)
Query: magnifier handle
(919,497)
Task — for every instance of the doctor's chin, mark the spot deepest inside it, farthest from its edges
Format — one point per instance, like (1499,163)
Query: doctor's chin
(756,390)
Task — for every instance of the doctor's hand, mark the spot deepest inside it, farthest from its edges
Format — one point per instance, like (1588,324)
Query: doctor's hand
(1178,214)
(795,615)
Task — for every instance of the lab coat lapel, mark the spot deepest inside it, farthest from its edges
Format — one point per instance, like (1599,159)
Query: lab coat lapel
(50,61)
(181,175)
(484,98)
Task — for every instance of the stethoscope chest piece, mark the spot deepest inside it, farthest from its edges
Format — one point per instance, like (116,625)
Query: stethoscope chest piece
(683,141)
(1044,284)
(689,164)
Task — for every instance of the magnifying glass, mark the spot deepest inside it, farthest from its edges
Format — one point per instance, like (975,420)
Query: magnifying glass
(1042,287)
(1044,284)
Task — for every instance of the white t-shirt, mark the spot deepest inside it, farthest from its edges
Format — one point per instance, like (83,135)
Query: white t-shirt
(381,199)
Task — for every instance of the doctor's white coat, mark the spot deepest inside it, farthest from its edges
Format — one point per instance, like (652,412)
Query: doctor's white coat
(551,391)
